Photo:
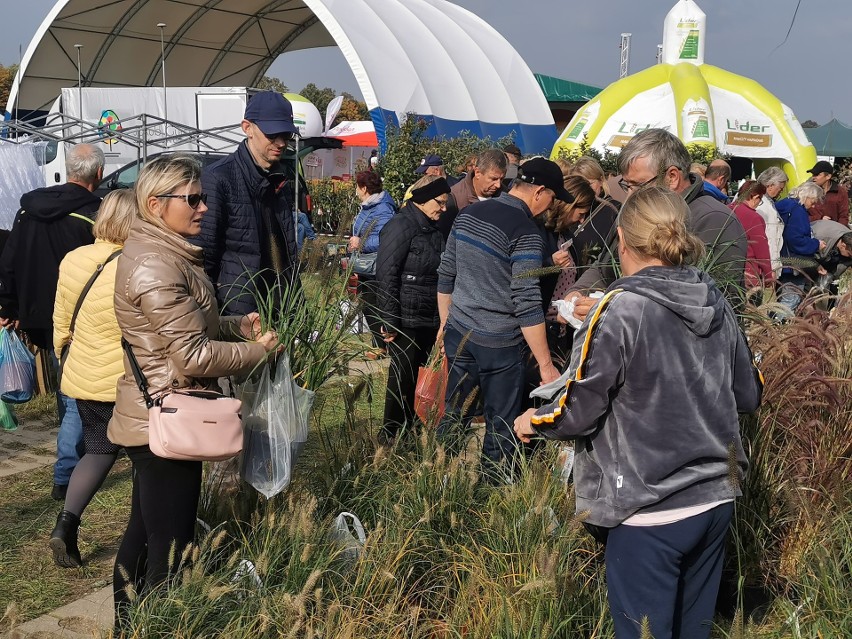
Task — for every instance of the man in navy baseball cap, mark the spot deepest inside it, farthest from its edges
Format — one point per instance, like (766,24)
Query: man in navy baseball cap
(249,231)
(272,113)
(433,162)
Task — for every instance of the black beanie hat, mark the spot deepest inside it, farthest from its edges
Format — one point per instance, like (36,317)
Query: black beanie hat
(430,191)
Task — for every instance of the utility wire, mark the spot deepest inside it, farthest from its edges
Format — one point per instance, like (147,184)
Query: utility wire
(792,22)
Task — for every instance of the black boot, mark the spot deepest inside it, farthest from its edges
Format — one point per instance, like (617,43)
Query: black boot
(63,541)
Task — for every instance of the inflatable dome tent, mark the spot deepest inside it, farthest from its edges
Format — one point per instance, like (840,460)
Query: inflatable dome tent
(701,103)
(428,57)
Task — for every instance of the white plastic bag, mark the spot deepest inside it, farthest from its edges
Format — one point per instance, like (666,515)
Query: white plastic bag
(565,463)
(275,430)
(246,574)
(341,533)
(353,320)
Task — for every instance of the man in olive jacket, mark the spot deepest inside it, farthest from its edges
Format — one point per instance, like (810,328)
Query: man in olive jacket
(657,156)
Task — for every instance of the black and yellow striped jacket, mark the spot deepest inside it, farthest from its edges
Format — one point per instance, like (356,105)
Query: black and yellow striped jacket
(659,372)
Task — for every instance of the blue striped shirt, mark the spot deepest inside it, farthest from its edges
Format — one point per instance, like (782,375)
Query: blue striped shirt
(493,244)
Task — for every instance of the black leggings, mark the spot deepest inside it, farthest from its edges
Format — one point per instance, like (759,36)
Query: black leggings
(162,514)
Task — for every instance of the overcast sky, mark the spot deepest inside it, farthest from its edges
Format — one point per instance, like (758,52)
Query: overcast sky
(579,41)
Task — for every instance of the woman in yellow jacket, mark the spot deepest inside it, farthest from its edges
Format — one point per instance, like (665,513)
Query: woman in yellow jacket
(93,361)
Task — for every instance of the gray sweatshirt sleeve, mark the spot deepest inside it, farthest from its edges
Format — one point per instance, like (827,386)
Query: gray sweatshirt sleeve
(597,366)
(748,380)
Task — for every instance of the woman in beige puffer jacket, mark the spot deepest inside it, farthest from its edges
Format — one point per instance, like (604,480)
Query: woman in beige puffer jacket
(167,311)
(92,360)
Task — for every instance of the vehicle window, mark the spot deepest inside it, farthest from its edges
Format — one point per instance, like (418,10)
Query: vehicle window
(127,177)
(51,148)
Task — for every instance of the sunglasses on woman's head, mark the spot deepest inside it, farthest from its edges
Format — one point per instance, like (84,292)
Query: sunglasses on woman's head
(192,199)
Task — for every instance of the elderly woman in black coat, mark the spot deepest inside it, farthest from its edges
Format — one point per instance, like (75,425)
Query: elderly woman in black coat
(407,276)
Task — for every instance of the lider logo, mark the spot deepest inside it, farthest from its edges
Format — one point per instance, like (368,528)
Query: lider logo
(747,134)
(626,132)
(107,125)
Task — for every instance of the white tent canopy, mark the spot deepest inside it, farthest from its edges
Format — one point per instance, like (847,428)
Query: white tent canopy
(429,57)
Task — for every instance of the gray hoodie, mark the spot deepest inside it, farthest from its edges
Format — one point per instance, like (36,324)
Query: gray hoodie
(659,372)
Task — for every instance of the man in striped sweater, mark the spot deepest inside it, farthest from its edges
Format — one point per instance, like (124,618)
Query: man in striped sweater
(489,302)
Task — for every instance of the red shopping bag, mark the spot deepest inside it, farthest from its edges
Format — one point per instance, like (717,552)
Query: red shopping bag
(430,391)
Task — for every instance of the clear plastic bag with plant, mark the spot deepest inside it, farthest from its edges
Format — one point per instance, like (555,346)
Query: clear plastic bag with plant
(275,429)
(341,533)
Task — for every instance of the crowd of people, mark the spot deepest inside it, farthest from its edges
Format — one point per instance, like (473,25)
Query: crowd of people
(567,303)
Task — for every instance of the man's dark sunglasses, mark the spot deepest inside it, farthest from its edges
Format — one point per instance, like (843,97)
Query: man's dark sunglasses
(286,137)
(192,199)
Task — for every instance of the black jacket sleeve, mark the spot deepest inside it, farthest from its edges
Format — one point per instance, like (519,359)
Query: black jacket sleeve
(8,281)
(601,273)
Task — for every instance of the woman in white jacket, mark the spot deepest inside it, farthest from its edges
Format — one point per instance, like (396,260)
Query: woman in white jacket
(775,180)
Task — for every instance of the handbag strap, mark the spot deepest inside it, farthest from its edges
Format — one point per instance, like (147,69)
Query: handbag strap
(139,376)
(142,381)
(98,270)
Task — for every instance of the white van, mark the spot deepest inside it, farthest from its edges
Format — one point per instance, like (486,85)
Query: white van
(124,121)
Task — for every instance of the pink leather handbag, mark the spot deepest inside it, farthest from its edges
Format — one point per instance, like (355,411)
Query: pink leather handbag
(188,424)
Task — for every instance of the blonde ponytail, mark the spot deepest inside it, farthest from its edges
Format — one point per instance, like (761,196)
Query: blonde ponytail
(653,223)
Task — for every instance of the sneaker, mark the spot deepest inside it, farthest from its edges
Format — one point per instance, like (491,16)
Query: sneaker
(59,491)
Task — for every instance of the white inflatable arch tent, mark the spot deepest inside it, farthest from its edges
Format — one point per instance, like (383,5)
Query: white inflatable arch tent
(428,57)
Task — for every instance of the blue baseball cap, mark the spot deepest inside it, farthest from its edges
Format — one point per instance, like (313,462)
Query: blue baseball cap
(429,160)
(271,112)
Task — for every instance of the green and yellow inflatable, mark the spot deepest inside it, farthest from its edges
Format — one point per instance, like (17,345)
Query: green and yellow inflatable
(701,103)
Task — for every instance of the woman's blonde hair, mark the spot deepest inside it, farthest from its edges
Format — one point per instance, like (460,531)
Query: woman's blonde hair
(564,165)
(698,168)
(653,223)
(588,167)
(115,216)
(559,214)
(161,176)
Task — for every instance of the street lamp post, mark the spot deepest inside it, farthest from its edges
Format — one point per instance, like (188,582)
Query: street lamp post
(161,26)
(80,88)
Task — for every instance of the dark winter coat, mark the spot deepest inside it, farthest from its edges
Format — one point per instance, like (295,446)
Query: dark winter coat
(592,237)
(407,270)
(835,206)
(233,232)
(713,223)
(52,222)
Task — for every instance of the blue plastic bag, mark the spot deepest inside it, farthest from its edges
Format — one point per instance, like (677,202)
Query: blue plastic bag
(17,369)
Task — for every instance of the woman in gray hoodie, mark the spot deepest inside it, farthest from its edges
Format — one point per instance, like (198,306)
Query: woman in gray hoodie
(659,372)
